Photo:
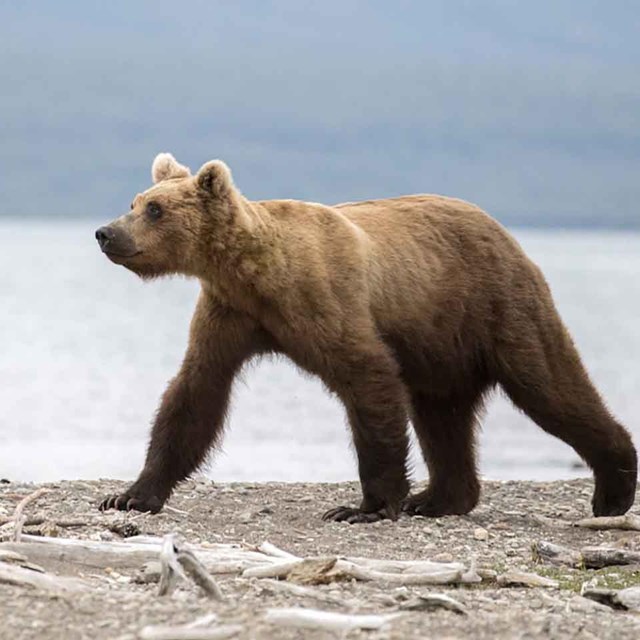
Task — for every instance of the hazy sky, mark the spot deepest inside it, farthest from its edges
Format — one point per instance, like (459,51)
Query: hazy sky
(531,110)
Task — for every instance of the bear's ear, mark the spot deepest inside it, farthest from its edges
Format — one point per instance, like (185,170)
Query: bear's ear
(215,178)
(166,167)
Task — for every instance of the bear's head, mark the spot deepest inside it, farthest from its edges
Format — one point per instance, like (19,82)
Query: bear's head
(171,226)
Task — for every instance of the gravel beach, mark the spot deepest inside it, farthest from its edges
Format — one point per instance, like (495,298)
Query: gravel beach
(498,535)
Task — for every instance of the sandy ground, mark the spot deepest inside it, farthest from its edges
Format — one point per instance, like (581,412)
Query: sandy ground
(499,533)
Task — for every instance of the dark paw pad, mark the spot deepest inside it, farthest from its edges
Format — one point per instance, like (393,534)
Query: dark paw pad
(128,502)
(352,515)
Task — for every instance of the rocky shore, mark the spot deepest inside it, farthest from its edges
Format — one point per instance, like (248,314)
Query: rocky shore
(495,545)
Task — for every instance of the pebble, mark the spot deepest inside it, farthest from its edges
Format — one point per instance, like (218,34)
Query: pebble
(245,517)
(481,534)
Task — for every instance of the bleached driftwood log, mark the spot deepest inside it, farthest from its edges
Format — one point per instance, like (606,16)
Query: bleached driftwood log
(217,558)
(589,557)
(446,573)
(419,573)
(627,522)
(327,620)
(598,557)
(12,574)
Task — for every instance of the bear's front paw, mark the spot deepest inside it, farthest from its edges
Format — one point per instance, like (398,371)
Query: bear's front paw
(132,501)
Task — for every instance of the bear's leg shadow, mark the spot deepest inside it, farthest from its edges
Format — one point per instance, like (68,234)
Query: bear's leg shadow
(544,376)
(368,383)
(445,428)
(193,409)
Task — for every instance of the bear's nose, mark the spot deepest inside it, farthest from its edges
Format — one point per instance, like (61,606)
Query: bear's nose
(104,235)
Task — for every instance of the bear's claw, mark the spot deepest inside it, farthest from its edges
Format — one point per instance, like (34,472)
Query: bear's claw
(352,515)
(128,502)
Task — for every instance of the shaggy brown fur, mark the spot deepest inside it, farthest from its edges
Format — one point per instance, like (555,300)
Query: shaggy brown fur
(408,307)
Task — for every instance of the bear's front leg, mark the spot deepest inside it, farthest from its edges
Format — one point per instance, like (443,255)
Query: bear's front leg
(193,408)
(368,383)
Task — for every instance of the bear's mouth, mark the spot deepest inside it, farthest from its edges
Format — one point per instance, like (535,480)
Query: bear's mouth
(121,257)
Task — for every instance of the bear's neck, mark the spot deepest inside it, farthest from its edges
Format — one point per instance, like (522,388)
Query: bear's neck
(245,259)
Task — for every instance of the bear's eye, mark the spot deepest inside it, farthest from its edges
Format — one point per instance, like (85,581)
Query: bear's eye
(153,211)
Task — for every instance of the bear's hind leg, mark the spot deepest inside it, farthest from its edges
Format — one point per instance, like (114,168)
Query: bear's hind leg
(445,428)
(545,378)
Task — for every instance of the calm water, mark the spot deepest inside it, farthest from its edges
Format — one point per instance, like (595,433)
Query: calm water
(87,349)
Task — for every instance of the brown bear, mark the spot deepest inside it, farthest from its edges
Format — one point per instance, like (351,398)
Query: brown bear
(407,308)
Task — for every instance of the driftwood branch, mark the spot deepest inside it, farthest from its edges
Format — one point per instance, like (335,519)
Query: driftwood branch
(589,557)
(35,521)
(522,579)
(271,550)
(170,569)
(282,586)
(18,515)
(543,551)
(327,620)
(177,563)
(195,569)
(627,522)
(433,602)
(12,574)
(189,633)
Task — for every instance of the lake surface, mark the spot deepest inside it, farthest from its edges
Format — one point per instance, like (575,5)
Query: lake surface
(87,349)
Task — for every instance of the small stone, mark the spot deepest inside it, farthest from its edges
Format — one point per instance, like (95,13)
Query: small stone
(384,599)
(49,528)
(149,573)
(481,534)
(245,517)
(585,605)
(400,593)
(442,557)
(125,529)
